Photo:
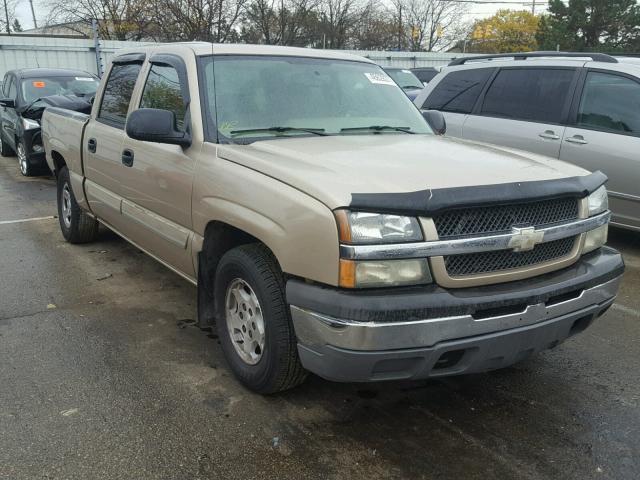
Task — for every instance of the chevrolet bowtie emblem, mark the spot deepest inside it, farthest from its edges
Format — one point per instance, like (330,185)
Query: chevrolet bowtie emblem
(524,239)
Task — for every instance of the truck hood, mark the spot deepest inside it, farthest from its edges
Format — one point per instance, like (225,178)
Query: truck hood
(332,168)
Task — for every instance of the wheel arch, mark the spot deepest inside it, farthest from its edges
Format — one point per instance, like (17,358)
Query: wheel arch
(219,238)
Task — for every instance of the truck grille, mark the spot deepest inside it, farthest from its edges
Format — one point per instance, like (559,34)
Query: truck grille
(500,219)
(488,262)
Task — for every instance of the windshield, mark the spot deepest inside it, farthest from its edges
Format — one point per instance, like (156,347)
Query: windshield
(263,97)
(405,78)
(34,88)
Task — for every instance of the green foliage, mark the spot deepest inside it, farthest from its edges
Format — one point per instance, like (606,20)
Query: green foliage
(591,25)
(506,31)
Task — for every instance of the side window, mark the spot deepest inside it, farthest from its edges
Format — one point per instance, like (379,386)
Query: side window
(117,94)
(531,94)
(163,91)
(610,103)
(5,85)
(458,91)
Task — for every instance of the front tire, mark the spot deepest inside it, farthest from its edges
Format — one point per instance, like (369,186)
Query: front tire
(5,149)
(76,225)
(25,167)
(253,321)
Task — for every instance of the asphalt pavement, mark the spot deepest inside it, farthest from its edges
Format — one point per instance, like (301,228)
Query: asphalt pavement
(103,375)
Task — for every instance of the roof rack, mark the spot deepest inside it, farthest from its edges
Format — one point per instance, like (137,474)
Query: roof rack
(596,57)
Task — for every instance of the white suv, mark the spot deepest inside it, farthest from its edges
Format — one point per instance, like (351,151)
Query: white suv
(579,107)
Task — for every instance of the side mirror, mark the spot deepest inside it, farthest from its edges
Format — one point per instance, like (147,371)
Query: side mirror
(436,121)
(155,125)
(8,102)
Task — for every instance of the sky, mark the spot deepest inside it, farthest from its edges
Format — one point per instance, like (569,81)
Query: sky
(478,10)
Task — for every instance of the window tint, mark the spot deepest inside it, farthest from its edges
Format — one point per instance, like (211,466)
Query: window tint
(458,91)
(536,95)
(162,90)
(117,93)
(610,103)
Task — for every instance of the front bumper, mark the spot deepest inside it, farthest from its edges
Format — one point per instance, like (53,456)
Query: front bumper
(428,331)
(35,158)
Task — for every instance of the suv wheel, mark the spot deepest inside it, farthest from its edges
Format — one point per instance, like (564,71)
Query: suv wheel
(5,149)
(253,320)
(76,225)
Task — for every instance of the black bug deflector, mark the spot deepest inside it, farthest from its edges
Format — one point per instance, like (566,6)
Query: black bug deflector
(431,201)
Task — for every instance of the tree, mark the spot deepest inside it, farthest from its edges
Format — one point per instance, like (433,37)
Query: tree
(205,20)
(117,19)
(279,22)
(16,27)
(506,31)
(427,25)
(591,25)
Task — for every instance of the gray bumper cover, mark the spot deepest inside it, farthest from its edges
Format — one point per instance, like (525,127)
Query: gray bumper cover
(344,349)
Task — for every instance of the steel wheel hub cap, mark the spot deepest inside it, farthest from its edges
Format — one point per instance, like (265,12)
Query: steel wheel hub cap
(22,158)
(66,205)
(245,323)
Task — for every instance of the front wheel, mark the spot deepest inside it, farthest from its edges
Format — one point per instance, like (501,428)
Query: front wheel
(25,168)
(253,320)
(76,225)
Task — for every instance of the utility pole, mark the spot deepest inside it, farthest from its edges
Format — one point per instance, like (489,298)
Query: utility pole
(96,46)
(533,7)
(6,16)
(399,27)
(33,14)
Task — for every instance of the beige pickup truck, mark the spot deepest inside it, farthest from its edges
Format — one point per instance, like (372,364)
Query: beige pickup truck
(327,226)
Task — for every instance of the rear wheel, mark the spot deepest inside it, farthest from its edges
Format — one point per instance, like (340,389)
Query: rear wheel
(5,149)
(76,225)
(253,320)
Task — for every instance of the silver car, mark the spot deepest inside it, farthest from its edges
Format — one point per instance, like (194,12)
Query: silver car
(582,108)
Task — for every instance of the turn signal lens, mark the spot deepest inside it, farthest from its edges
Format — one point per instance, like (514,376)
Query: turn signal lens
(595,238)
(384,273)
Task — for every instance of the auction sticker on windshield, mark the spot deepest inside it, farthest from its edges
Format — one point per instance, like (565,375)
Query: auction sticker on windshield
(379,78)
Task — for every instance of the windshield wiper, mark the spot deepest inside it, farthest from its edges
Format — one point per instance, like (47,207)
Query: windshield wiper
(315,131)
(378,128)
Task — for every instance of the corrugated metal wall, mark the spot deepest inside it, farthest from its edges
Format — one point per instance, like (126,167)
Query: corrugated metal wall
(20,51)
(17,51)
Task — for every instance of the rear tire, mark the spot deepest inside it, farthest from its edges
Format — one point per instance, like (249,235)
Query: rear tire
(5,149)
(76,225)
(252,272)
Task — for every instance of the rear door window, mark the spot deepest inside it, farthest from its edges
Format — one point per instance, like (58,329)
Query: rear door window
(163,91)
(610,103)
(530,94)
(458,91)
(117,94)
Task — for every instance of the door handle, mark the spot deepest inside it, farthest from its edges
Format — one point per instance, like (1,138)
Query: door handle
(549,135)
(92,145)
(578,139)
(127,158)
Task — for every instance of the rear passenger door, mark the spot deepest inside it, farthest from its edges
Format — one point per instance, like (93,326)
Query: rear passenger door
(524,108)
(455,96)
(604,134)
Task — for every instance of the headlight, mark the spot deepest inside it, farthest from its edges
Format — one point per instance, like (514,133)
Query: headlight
(598,201)
(375,228)
(29,124)
(384,273)
(595,238)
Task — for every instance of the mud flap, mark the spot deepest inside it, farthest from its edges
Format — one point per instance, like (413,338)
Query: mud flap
(206,305)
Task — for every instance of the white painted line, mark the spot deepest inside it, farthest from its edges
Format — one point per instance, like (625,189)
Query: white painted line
(23,220)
